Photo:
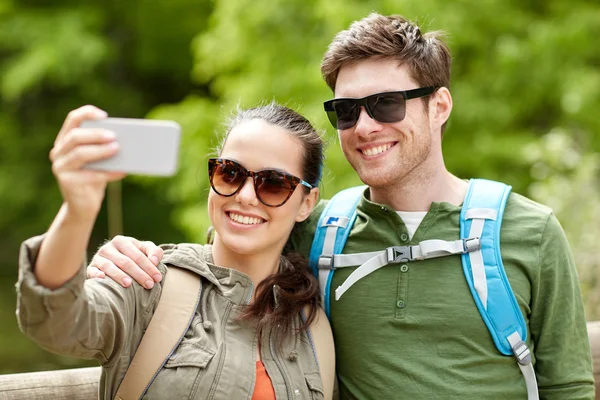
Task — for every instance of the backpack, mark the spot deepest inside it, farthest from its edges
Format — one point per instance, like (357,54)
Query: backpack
(479,247)
(173,316)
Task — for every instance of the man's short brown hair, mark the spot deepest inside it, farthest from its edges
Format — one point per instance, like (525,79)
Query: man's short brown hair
(390,37)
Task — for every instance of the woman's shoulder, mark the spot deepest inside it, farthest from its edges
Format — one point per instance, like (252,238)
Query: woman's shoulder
(192,256)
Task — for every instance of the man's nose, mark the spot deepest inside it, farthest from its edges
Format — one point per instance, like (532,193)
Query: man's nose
(365,125)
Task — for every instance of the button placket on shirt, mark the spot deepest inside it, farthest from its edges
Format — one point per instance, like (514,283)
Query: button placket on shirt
(402,280)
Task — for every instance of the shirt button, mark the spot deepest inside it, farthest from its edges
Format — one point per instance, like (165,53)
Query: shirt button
(404,268)
(404,237)
(400,303)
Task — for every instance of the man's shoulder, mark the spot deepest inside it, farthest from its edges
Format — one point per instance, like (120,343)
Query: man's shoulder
(527,220)
(517,203)
(525,212)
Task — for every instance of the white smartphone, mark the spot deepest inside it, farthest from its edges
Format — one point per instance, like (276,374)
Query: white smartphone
(146,146)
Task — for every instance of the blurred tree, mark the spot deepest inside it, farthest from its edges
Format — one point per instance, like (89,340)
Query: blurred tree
(567,180)
(522,69)
(125,57)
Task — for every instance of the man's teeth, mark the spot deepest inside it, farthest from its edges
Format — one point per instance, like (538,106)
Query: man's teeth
(242,219)
(376,150)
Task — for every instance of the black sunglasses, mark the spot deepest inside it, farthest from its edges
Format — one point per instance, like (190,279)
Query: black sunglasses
(272,187)
(384,107)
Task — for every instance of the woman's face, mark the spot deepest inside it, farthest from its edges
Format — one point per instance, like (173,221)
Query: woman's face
(242,223)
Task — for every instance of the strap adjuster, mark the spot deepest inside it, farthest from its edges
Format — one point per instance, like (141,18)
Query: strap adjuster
(326,262)
(521,353)
(398,254)
(471,244)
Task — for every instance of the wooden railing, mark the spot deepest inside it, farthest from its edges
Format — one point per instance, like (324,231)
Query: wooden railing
(67,384)
(82,383)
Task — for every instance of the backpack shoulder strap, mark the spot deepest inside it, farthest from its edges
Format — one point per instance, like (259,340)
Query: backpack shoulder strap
(332,231)
(321,340)
(481,216)
(171,320)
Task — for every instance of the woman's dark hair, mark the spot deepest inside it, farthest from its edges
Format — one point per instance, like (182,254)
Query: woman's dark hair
(282,296)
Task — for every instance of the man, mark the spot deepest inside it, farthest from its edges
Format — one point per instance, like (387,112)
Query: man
(412,330)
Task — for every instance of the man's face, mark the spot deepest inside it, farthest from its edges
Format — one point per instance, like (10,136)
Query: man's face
(384,154)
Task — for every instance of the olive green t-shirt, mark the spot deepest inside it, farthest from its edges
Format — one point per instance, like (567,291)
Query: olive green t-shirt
(413,331)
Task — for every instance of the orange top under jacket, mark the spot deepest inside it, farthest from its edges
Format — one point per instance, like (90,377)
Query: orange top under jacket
(263,389)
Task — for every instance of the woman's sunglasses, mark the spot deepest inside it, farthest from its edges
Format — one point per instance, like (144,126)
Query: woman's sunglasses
(272,187)
(382,107)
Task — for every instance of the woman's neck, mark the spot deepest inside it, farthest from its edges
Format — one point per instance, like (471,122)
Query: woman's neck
(256,266)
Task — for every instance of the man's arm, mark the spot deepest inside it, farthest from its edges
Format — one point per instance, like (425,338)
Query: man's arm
(125,258)
(558,326)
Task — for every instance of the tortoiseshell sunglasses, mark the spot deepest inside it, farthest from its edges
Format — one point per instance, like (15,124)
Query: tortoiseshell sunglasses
(272,187)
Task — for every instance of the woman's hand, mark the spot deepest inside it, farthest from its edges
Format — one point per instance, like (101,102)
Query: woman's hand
(83,189)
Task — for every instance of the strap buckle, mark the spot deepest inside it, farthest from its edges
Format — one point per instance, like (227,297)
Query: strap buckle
(522,353)
(326,262)
(471,244)
(398,254)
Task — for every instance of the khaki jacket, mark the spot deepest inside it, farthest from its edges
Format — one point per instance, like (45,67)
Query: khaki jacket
(97,318)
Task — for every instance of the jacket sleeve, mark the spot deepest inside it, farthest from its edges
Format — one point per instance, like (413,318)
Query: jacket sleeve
(558,326)
(93,318)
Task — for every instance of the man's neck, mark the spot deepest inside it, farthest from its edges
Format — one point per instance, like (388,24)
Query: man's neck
(416,193)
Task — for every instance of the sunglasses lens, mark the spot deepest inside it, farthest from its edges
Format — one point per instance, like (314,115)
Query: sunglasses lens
(273,188)
(227,178)
(346,113)
(387,107)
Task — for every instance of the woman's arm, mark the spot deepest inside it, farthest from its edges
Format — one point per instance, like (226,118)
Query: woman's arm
(82,190)
(93,319)
(53,306)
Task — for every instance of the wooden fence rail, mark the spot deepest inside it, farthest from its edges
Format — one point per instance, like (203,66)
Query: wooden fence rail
(82,383)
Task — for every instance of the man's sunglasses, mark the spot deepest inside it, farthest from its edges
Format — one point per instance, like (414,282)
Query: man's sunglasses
(384,107)
(272,187)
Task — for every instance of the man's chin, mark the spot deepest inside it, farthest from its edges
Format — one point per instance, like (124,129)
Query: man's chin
(374,179)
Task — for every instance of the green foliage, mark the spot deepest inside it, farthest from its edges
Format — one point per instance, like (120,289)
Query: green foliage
(523,70)
(566,179)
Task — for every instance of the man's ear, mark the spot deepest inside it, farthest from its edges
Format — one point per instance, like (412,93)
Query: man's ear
(308,203)
(440,106)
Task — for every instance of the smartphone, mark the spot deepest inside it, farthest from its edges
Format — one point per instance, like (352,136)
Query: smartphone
(146,146)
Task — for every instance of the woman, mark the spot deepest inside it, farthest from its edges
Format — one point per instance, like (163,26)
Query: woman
(258,310)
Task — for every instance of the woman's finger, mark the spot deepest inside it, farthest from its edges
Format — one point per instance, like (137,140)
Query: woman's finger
(76,117)
(84,154)
(77,137)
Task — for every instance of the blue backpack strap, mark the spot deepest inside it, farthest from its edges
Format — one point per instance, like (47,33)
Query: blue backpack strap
(332,231)
(484,204)
(481,216)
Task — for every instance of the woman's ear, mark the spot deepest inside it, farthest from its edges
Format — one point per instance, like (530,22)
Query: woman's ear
(308,203)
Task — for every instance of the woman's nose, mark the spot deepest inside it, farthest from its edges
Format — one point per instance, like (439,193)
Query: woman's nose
(247,193)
